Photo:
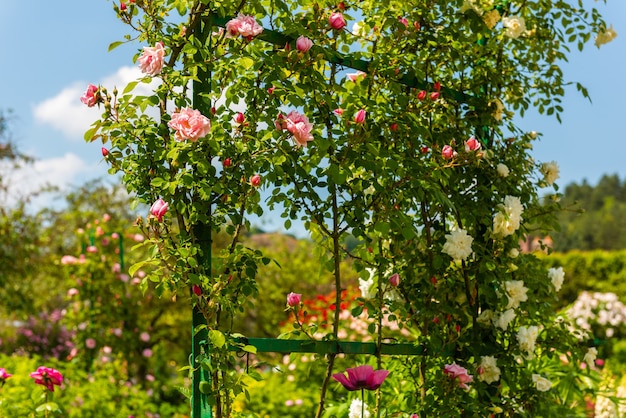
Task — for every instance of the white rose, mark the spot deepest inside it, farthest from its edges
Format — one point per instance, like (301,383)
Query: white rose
(557,276)
(550,172)
(490,372)
(541,383)
(458,244)
(516,291)
(503,170)
(514,25)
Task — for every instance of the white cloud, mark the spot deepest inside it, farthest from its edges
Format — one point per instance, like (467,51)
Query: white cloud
(66,113)
(61,172)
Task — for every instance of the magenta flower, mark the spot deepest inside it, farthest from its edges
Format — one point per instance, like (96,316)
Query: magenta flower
(362,377)
(189,124)
(47,377)
(293,299)
(4,375)
(91,96)
(151,59)
(159,209)
(359,117)
(243,25)
(456,372)
(303,44)
(337,21)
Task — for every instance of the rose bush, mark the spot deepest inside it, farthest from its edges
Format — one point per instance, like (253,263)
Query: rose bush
(441,211)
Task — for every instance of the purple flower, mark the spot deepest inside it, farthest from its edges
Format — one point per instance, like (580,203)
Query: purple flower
(362,377)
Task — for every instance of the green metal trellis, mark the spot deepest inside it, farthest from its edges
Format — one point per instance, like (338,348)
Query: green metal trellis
(201,407)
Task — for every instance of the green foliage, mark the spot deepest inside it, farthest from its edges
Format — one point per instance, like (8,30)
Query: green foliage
(594,271)
(420,196)
(103,392)
(594,219)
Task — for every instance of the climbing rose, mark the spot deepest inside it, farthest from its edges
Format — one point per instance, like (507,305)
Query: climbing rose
(458,244)
(605,36)
(394,280)
(359,117)
(159,209)
(472,144)
(303,44)
(447,152)
(503,170)
(243,25)
(527,337)
(516,292)
(293,299)
(151,59)
(189,124)
(47,377)
(4,375)
(337,21)
(298,125)
(90,97)
(456,372)
(556,276)
(550,172)
(515,26)
(255,180)
(362,377)
(541,383)
(488,371)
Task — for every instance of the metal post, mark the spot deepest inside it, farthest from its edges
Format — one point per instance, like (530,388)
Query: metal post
(201,407)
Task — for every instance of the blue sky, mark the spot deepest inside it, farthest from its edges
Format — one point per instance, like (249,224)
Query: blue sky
(51,50)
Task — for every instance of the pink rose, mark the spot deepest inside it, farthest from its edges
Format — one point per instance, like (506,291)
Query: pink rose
(151,59)
(4,375)
(338,111)
(189,124)
(105,152)
(255,180)
(293,299)
(298,125)
(243,25)
(159,209)
(359,117)
(421,95)
(239,118)
(454,371)
(303,44)
(69,259)
(434,95)
(472,144)
(72,292)
(394,280)
(90,343)
(91,96)
(448,152)
(356,76)
(337,21)
(404,21)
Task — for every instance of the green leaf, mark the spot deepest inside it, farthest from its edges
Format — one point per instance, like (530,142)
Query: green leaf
(114,45)
(217,338)
(249,349)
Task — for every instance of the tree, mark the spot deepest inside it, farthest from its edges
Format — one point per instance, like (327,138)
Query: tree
(594,218)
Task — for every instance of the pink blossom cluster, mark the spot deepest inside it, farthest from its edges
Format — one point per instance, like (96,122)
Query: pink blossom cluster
(245,26)
(298,125)
(456,372)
